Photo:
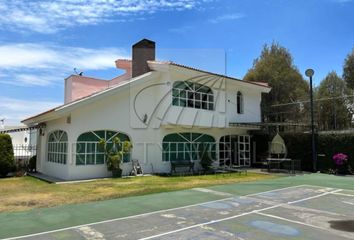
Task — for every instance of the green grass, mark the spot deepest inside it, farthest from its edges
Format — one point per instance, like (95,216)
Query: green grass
(25,193)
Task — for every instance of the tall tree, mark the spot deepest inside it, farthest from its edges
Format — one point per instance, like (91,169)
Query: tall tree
(275,66)
(348,70)
(333,105)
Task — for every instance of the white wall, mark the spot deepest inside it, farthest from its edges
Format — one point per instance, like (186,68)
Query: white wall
(50,168)
(124,110)
(251,101)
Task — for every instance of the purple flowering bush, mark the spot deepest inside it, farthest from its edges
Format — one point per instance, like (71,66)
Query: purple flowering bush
(341,159)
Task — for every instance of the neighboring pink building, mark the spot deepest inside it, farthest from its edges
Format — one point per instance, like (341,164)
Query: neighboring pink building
(77,86)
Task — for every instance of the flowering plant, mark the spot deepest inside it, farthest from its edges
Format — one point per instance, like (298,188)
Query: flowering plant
(340,159)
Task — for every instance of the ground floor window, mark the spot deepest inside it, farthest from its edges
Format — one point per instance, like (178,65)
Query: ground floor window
(58,147)
(89,151)
(187,146)
(235,150)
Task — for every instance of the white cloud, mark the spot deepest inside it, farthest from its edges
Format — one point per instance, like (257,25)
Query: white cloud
(227,17)
(181,30)
(48,16)
(14,110)
(41,64)
(29,55)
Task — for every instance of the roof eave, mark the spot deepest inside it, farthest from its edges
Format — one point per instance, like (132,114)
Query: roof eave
(62,111)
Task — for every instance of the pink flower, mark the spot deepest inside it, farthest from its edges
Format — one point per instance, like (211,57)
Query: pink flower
(340,158)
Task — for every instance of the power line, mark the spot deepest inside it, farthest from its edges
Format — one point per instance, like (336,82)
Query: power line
(307,101)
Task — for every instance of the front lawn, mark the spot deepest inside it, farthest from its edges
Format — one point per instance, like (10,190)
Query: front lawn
(24,193)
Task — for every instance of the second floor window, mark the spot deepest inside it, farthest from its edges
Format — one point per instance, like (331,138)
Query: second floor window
(193,95)
(239,102)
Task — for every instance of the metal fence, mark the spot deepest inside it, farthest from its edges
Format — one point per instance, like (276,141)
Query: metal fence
(23,152)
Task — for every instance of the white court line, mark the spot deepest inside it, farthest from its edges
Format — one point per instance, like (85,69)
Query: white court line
(317,196)
(344,194)
(206,190)
(289,220)
(275,190)
(143,214)
(350,203)
(302,223)
(235,216)
(208,223)
(318,186)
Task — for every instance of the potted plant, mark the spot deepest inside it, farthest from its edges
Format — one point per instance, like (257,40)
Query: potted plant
(114,155)
(341,162)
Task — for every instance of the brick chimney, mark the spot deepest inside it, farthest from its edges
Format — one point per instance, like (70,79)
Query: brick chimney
(143,51)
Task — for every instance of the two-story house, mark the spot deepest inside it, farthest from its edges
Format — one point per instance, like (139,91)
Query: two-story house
(166,110)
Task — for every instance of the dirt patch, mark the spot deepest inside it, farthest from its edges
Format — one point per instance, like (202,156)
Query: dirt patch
(343,225)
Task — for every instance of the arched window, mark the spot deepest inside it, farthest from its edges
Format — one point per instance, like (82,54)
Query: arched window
(187,146)
(57,147)
(239,102)
(90,152)
(193,95)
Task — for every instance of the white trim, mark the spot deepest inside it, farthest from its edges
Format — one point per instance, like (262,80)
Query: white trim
(67,108)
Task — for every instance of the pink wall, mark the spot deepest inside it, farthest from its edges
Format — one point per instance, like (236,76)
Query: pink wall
(77,86)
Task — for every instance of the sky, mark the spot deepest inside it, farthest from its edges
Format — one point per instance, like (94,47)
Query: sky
(42,41)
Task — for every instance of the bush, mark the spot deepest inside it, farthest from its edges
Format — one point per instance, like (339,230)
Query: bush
(32,164)
(299,146)
(7,160)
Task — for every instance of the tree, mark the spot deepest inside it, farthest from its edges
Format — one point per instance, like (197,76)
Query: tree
(348,70)
(275,66)
(7,161)
(333,106)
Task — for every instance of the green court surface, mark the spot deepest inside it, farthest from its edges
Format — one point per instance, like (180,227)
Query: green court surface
(311,206)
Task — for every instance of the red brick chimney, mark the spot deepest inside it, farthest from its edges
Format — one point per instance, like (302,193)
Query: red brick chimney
(143,51)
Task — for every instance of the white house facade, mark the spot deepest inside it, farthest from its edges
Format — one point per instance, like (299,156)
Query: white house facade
(165,110)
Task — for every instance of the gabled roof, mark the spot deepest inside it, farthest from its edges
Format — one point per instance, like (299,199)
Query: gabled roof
(55,111)
(104,92)
(262,84)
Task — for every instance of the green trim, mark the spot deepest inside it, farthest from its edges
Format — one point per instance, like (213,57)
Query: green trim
(87,146)
(186,146)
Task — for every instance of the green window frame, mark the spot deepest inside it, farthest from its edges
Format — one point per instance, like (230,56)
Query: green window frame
(57,147)
(192,95)
(187,146)
(89,151)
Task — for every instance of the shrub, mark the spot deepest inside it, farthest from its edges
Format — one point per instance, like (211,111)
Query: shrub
(114,155)
(7,160)
(299,147)
(32,164)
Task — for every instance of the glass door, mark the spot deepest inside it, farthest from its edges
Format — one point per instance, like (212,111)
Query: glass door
(244,151)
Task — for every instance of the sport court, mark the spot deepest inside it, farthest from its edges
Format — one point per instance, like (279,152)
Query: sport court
(295,212)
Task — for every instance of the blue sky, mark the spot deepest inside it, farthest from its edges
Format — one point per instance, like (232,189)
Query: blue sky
(41,41)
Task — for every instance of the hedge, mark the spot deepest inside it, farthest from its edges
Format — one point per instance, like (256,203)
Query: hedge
(299,146)
(7,160)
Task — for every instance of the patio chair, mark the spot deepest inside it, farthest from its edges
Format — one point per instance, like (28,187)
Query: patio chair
(137,169)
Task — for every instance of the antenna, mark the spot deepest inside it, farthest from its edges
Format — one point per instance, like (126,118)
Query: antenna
(78,73)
